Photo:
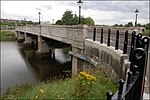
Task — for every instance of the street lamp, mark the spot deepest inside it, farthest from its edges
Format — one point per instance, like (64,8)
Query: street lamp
(136,13)
(24,21)
(39,18)
(79,4)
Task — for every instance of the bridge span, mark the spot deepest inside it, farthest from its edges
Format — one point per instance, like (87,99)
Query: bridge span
(113,50)
(85,52)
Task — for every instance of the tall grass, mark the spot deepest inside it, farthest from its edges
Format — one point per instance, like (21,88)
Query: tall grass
(146,32)
(62,89)
(7,36)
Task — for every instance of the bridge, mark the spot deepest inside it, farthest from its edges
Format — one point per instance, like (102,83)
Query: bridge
(107,48)
(84,50)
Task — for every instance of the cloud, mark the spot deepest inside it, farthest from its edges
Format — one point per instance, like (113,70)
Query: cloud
(103,12)
(47,6)
(39,9)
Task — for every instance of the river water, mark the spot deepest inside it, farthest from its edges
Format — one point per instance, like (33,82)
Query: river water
(19,65)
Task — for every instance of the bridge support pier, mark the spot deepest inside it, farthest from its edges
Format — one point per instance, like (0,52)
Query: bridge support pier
(42,46)
(76,62)
(20,37)
(28,39)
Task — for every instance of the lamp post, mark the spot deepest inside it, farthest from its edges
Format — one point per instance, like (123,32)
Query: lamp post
(79,4)
(24,21)
(136,13)
(39,18)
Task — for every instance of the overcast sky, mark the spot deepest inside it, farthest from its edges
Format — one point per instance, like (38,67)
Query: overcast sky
(102,12)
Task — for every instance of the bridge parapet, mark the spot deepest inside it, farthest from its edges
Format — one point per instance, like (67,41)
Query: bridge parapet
(73,35)
(113,62)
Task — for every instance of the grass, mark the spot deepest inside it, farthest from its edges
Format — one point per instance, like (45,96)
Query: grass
(61,89)
(146,32)
(7,36)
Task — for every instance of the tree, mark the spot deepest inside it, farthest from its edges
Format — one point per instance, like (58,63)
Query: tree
(59,22)
(139,25)
(89,21)
(115,25)
(75,20)
(147,26)
(120,25)
(130,24)
(67,18)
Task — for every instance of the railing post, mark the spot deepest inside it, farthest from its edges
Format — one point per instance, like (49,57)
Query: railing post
(132,44)
(130,94)
(130,74)
(139,60)
(109,95)
(125,43)
(117,40)
(108,42)
(94,34)
(121,82)
(101,36)
(139,41)
(146,43)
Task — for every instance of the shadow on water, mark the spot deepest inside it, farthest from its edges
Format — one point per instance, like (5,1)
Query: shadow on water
(47,67)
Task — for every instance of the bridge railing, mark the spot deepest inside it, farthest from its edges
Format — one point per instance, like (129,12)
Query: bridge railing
(133,88)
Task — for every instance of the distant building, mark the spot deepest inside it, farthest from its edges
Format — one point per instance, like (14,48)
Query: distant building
(7,20)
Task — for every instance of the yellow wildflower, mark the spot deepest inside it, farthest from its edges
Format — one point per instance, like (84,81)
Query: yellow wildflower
(36,97)
(42,91)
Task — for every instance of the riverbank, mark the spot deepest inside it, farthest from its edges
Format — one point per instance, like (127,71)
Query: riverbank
(7,36)
(62,89)
(146,32)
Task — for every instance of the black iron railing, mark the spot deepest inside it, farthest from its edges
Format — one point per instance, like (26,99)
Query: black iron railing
(133,87)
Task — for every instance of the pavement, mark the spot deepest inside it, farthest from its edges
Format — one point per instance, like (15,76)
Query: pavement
(146,95)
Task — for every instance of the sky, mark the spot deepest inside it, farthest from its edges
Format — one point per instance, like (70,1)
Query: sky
(102,12)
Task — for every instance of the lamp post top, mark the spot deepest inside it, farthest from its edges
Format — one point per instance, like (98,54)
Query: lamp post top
(136,11)
(39,13)
(79,1)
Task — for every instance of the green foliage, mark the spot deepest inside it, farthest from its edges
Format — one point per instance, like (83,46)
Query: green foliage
(130,24)
(7,24)
(69,18)
(89,21)
(18,89)
(139,25)
(147,26)
(7,36)
(59,22)
(116,25)
(146,32)
(85,82)
(62,89)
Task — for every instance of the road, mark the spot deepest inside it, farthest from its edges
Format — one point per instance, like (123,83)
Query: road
(148,70)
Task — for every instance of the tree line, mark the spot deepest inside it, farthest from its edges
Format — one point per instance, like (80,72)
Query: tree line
(68,18)
(130,24)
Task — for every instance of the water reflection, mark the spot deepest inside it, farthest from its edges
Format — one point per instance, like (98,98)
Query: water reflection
(48,68)
(14,68)
(20,65)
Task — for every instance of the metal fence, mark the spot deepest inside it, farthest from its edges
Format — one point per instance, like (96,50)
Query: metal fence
(133,87)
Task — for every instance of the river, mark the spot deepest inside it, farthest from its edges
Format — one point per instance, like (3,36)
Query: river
(19,65)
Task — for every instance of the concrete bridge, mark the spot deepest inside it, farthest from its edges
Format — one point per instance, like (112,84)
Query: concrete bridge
(85,52)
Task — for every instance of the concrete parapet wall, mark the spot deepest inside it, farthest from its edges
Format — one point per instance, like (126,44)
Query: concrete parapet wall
(112,62)
(73,35)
